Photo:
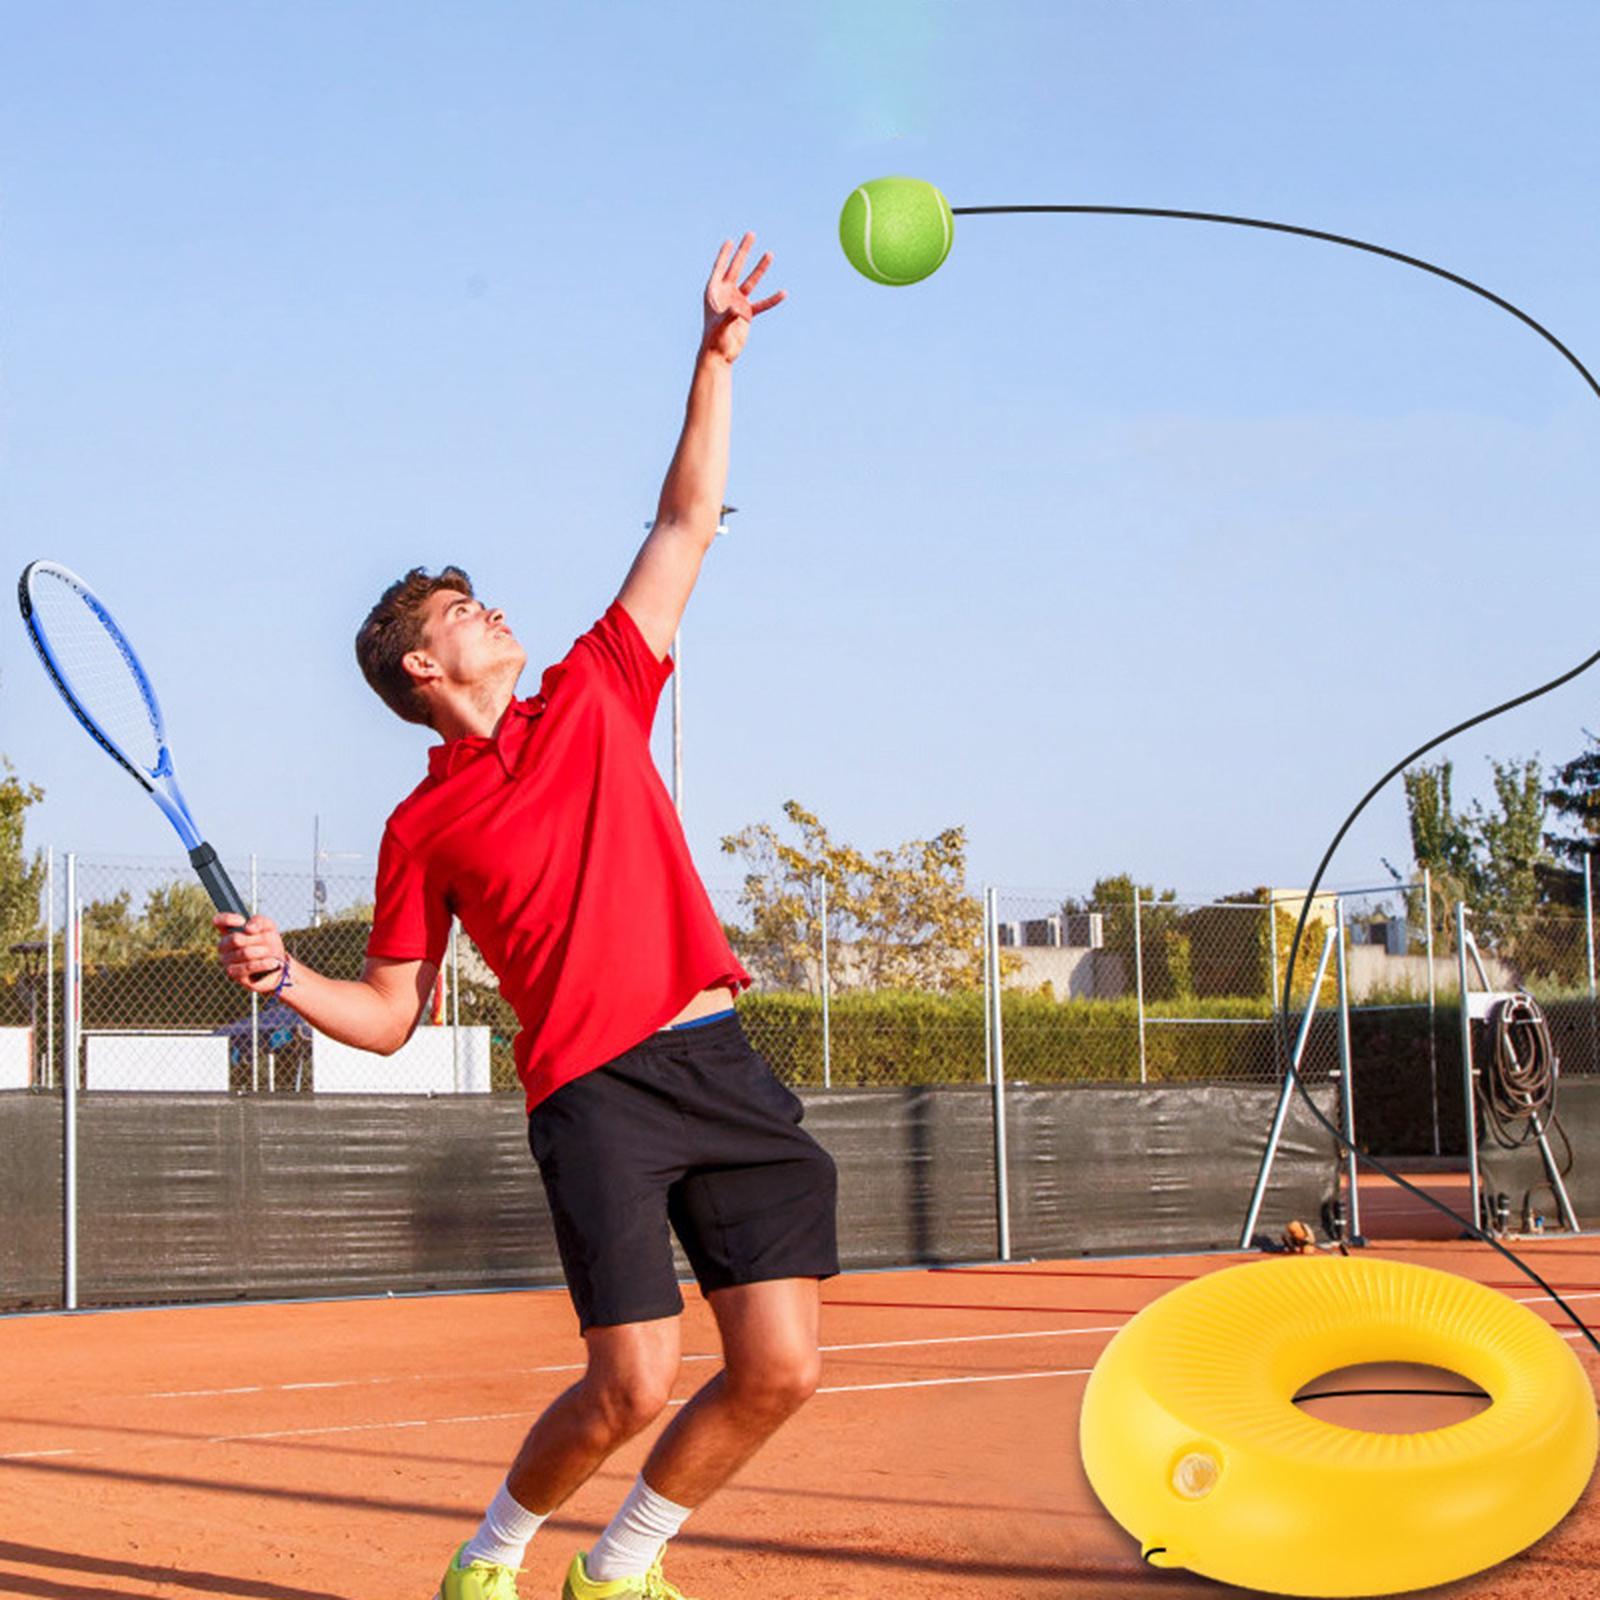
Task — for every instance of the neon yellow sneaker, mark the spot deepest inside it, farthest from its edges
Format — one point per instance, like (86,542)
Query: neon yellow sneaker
(652,1586)
(478,1580)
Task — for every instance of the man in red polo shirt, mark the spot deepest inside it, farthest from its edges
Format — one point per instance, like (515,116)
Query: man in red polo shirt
(544,826)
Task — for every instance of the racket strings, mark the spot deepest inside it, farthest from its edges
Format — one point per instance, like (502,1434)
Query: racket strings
(97,670)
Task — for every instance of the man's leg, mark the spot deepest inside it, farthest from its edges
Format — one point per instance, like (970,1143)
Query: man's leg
(756,1192)
(632,1367)
(771,1367)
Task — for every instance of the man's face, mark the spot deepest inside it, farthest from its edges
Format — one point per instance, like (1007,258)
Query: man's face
(467,642)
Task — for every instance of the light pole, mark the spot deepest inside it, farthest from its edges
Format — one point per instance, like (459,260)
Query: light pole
(319,889)
(319,884)
(677,685)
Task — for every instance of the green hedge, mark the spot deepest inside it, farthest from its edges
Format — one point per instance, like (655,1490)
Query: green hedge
(898,1037)
(890,1038)
(882,1038)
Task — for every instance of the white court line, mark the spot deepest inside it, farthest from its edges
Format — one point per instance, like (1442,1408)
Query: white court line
(836,1388)
(522,1415)
(514,1416)
(511,1416)
(197,1394)
(362,1383)
(975,1338)
(579,1366)
(933,1383)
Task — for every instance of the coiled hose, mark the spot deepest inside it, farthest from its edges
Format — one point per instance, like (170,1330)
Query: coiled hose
(1518,1086)
(1518,1083)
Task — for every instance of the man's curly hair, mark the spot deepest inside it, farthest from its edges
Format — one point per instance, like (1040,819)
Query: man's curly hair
(394,627)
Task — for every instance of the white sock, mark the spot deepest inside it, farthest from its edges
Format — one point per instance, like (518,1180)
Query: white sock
(504,1533)
(628,1547)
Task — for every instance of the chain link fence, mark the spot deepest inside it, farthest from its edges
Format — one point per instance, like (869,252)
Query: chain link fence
(155,1011)
(928,1050)
(1133,990)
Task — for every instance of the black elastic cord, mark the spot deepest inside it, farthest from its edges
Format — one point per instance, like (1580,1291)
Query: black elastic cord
(1306,233)
(1555,683)
(1339,1394)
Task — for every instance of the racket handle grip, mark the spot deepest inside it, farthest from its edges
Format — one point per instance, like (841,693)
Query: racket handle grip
(217,883)
(220,886)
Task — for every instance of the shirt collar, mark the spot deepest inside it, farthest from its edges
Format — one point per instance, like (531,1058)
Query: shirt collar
(507,741)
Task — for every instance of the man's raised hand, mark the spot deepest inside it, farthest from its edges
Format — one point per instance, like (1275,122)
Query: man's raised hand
(728,311)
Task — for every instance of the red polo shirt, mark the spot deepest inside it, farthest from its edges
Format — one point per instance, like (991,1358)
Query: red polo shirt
(558,846)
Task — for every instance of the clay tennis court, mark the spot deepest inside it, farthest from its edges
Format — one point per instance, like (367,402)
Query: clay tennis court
(342,1448)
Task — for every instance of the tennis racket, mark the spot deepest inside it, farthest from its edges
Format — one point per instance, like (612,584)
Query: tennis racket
(97,670)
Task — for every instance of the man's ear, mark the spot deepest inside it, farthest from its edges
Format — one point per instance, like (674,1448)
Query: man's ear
(421,666)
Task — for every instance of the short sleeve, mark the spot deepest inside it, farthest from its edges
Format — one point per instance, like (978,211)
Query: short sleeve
(410,920)
(616,650)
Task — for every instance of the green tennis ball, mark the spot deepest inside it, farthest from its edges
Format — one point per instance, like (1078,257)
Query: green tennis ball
(896,230)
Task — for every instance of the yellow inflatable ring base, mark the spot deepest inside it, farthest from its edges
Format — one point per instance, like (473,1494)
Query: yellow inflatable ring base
(1191,1438)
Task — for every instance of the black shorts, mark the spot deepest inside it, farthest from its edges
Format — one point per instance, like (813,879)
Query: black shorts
(689,1127)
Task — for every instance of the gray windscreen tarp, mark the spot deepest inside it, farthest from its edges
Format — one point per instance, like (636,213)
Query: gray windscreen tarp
(188,1197)
(31,1230)
(1521,1174)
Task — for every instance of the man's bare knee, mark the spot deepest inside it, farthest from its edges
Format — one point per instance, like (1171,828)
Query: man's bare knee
(778,1386)
(623,1406)
(632,1369)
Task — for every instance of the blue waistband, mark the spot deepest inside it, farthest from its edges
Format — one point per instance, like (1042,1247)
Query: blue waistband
(696,1022)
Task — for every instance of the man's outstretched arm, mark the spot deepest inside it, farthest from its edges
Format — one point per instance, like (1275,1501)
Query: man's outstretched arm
(658,584)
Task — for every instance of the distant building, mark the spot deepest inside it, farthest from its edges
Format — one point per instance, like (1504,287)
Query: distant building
(1323,906)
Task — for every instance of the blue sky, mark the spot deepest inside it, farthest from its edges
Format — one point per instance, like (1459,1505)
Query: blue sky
(1128,545)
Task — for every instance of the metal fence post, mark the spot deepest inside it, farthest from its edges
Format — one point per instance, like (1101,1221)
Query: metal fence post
(827,1057)
(1272,981)
(1346,1086)
(255,999)
(72,977)
(1138,979)
(988,998)
(1468,1081)
(1588,937)
(49,966)
(1433,1026)
(1001,1192)
(455,1005)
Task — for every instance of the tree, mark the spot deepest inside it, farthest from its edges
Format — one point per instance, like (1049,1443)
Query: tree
(1511,843)
(1167,966)
(781,893)
(1494,860)
(1286,914)
(1234,950)
(111,937)
(21,876)
(900,919)
(1441,842)
(177,916)
(1574,794)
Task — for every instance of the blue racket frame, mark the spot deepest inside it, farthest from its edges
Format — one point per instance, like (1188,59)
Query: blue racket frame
(160,782)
